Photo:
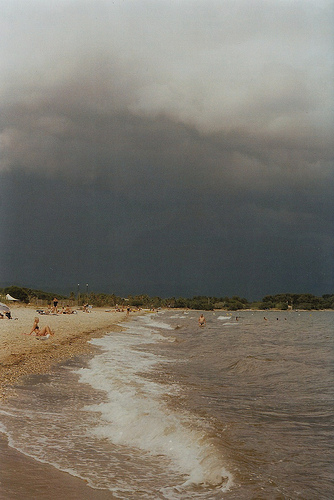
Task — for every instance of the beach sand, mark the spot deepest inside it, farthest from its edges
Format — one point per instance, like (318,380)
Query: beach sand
(22,354)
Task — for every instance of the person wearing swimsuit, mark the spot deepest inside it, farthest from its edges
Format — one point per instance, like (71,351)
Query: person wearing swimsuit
(201,320)
(55,304)
(46,330)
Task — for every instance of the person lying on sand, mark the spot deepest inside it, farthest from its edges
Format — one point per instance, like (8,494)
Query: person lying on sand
(40,332)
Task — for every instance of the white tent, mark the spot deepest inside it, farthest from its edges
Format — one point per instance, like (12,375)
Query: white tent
(9,297)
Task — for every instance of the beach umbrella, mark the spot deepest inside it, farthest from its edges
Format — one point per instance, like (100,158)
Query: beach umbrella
(4,308)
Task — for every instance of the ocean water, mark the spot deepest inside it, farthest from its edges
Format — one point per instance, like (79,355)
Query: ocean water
(239,409)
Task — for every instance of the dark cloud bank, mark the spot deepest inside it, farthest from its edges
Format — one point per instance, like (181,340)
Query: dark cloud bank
(151,161)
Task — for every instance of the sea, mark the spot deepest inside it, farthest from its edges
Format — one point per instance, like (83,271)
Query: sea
(239,409)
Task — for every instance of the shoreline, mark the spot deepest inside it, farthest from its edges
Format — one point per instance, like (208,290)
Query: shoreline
(22,354)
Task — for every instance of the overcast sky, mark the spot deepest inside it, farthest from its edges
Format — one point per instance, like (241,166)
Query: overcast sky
(174,147)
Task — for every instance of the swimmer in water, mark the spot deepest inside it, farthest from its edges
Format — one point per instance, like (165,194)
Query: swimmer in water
(201,320)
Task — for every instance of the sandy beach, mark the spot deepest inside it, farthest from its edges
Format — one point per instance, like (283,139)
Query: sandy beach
(22,354)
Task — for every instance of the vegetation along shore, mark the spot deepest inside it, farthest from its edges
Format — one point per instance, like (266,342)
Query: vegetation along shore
(282,301)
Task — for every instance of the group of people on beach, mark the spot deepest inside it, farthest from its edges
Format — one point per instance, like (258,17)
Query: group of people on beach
(53,309)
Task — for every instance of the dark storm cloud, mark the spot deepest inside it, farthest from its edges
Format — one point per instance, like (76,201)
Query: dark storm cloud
(167,139)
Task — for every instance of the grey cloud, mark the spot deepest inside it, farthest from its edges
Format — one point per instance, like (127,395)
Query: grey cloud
(248,65)
(194,243)
(185,136)
(115,148)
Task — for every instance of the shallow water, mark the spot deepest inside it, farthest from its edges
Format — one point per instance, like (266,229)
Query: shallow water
(166,409)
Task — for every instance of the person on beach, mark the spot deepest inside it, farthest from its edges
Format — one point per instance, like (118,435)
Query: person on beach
(201,320)
(86,308)
(4,315)
(40,332)
(55,304)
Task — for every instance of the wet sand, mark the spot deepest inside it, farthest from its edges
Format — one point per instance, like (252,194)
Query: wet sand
(23,477)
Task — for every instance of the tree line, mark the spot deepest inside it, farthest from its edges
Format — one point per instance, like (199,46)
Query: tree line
(282,301)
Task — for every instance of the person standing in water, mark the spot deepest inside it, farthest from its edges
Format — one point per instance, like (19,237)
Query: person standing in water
(201,320)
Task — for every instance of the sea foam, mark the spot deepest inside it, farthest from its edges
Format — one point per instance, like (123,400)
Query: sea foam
(135,414)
